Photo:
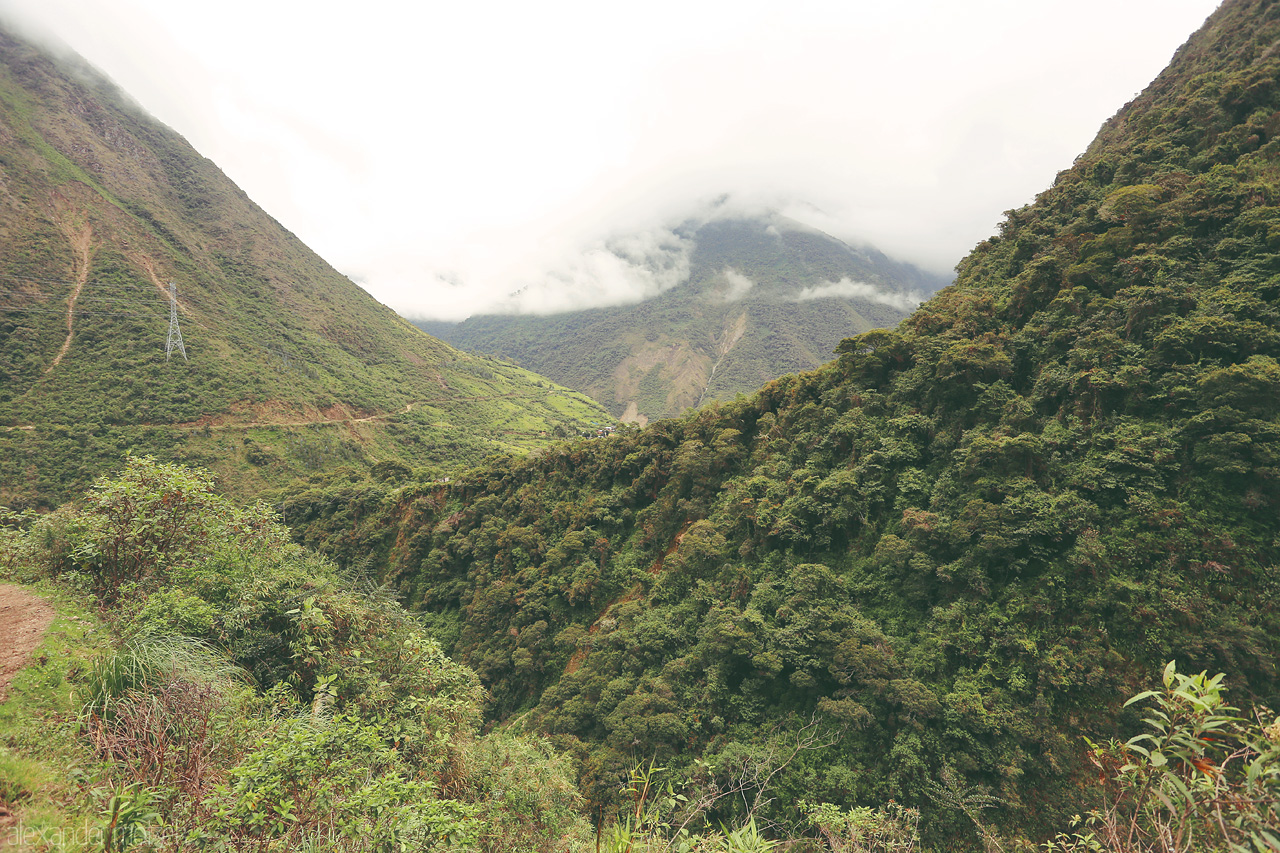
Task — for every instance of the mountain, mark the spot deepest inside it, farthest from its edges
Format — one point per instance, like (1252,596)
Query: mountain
(765,296)
(290,368)
(955,548)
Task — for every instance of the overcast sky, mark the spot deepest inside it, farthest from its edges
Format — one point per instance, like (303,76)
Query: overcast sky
(446,155)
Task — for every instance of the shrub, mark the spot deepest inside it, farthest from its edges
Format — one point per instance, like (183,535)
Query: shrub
(892,829)
(524,791)
(1200,778)
(334,779)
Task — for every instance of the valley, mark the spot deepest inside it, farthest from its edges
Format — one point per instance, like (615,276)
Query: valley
(765,296)
(1001,574)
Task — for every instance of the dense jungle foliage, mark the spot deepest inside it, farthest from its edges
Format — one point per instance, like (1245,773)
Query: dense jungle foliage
(234,691)
(740,319)
(292,369)
(959,544)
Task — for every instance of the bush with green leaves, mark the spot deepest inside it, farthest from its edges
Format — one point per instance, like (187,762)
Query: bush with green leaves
(125,815)
(524,793)
(131,532)
(1201,778)
(338,779)
(862,829)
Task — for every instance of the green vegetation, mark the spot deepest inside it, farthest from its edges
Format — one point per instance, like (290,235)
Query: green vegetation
(1200,778)
(38,719)
(294,370)
(956,546)
(241,693)
(871,607)
(175,736)
(704,340)
(250,699)
(256,697)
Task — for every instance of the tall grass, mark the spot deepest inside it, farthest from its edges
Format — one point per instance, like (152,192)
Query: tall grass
(151,661)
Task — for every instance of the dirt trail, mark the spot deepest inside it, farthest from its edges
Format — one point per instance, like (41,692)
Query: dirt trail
(212,424)
(23,621)
(218,422)
(254,424)
(208,423)
(147,264)
(81,241)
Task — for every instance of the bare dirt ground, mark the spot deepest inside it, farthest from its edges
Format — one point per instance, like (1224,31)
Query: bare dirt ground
(23,621)
(82,242)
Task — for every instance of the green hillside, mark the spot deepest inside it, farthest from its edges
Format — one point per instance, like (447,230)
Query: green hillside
(958,545)
(750,311)
(292,368)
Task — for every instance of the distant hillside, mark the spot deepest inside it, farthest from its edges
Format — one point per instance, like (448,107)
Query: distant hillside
(765,296)
(960,543)
(292,368)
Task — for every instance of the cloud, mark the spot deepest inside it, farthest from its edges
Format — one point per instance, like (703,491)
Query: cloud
(846,288)
(623,270)
(544,164)
(633,253)
(739,284)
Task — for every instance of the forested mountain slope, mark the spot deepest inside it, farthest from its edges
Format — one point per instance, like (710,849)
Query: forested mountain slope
(765,296)
(959,542)
(292,368)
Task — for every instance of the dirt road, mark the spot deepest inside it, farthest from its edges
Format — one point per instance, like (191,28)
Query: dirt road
(23,621)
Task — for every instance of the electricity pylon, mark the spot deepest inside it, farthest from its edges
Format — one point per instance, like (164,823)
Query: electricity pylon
(175,334)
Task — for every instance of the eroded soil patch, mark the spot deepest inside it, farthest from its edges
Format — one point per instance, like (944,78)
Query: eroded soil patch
(23,620)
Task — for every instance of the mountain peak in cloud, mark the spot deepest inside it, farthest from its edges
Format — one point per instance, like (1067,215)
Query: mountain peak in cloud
(761,295)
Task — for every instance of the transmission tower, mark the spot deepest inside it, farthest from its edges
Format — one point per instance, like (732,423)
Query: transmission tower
(175,334)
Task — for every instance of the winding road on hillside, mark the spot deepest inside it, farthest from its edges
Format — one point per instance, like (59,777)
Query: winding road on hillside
(215,425)
(313,422)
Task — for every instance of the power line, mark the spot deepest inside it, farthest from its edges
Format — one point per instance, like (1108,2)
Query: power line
(45,297)
(104,301)
(110,300)
(19,309)
(111,285)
